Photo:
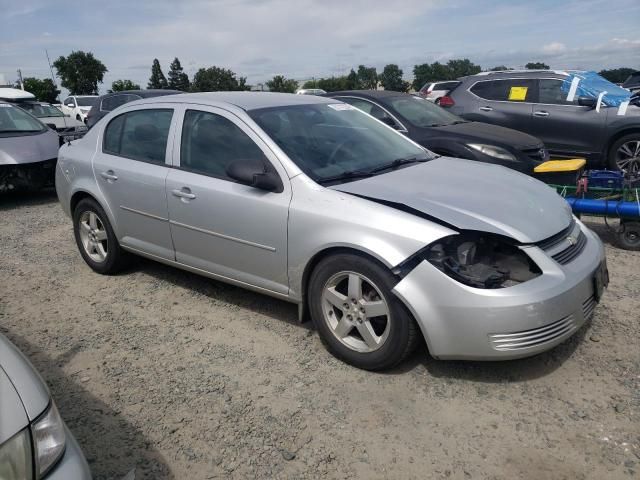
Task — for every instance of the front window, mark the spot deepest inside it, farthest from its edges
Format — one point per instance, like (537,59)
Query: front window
(41,111)
(15,120)
(87,101)
(329,140)
(422,113)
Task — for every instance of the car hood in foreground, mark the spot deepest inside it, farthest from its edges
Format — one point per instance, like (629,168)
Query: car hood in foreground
(492,134)
(13,418)
(471,196)
(29,148)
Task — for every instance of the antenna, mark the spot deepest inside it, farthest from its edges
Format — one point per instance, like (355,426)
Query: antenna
(20,79)
(50,69)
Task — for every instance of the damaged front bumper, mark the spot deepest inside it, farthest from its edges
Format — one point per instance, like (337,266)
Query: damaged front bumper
(33,175)
(462,322)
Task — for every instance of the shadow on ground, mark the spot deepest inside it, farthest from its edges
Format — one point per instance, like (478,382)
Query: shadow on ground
(9,201)
(112,446)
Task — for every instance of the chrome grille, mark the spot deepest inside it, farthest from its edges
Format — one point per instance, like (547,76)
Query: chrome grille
(558,237)
(588,307)
(534,337)
(572,251)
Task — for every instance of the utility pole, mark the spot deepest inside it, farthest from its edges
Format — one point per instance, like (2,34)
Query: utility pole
(20,79)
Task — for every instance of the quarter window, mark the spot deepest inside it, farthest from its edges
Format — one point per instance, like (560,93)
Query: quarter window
(139,135)
(510,90)
(211,142)
(550,92)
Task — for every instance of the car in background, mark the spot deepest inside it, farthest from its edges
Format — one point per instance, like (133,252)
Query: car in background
(34,441)
(310,91)
(68,128)
(77,106)
(311,200)
(534,102)
(28,150)
(446,134)
(110,101)
(632,82)
(433,91)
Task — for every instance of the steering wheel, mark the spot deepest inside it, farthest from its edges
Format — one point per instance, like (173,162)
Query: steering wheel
(336,149)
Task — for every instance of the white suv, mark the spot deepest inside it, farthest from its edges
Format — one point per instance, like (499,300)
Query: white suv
(77,106)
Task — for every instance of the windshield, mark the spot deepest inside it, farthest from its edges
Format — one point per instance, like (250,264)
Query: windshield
(41,111)
(422,113)
(329,140)
(15,120)
(86,101)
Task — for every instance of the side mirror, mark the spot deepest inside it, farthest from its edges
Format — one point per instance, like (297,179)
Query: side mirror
(587,102)
(254,174)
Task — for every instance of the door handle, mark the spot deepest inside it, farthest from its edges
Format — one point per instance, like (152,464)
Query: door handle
(109,176)
(185,192)
(541,113)
(486,109)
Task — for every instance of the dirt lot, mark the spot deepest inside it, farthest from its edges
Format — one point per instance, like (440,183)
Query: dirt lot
(180,377)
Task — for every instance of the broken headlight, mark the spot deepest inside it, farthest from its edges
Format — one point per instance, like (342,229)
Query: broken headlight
(481,260)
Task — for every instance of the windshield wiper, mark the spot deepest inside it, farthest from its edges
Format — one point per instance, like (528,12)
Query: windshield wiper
(397,163)
(348,175)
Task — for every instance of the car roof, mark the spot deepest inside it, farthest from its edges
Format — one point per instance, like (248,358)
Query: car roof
(244,100)
(153,92)
(520,74)
(367,93)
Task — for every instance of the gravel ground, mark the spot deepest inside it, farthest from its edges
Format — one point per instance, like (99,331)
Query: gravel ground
(177,376)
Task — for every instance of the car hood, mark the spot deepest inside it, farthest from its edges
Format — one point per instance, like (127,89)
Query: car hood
(29,148)
(13,418)
(491,134)
(30,389)
(471,196)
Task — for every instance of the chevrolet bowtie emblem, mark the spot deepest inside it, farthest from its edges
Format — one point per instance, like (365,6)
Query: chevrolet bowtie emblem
(572,240)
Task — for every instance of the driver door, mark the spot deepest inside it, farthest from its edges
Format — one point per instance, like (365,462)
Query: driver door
(218,225)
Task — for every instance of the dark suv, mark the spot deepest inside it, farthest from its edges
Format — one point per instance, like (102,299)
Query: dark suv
(533,102)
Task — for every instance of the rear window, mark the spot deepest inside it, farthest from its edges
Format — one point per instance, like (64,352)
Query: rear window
(111,103)
(446,85)
(87,101)
(508,90)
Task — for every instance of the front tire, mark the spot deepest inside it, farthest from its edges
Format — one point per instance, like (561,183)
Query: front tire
(96,239)
(624,154)
(358,318)
(629,236)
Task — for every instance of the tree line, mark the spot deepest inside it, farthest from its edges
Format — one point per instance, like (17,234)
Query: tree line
(81,72)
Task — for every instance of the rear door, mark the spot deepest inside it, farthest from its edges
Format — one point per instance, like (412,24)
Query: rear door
(131,168)
(565,127)
(218,225)
(505,102)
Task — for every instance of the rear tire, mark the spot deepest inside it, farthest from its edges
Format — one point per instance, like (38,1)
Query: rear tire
(358,318)
(629,236)
(624,154)
(96,239)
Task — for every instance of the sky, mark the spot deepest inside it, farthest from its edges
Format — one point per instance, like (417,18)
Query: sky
(303,39)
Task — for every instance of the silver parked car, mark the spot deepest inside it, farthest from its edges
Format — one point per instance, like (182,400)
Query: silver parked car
(311,200)
(34,441)
(28,150)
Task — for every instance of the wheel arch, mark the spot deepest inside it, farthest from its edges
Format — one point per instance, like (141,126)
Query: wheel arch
(82,193)
(617,136)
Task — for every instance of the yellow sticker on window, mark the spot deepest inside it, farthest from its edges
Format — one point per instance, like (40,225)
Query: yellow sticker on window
(518,94)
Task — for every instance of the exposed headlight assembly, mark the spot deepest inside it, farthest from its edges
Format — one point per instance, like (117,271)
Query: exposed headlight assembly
(15,457)
(48,439)
(493,151)
(481,260)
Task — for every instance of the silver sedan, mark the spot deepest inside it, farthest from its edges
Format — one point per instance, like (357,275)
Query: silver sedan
(313,201)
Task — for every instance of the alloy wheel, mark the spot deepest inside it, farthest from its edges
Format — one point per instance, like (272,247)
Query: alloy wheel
(356,312)
(628,156)
(93,236)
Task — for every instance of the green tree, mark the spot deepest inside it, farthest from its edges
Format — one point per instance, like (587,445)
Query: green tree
(536,66)
(436,71)
(499,68)
(391,78)
(44,90)
(214,79)
(462,68)
(80,72)
(121,85)
(178,80)
(333,84)
(616,75)
(157,79)
(282,84)
(367,77)
(352,82)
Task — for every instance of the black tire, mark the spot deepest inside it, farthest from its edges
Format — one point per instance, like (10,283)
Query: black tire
(116,258)
(629,235)
(403,334)
(613,151)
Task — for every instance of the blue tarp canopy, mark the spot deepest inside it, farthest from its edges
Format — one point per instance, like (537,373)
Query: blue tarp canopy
(592,85)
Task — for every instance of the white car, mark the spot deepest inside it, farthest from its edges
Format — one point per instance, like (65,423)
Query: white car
(310,91)
(432,91)
(77,106)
